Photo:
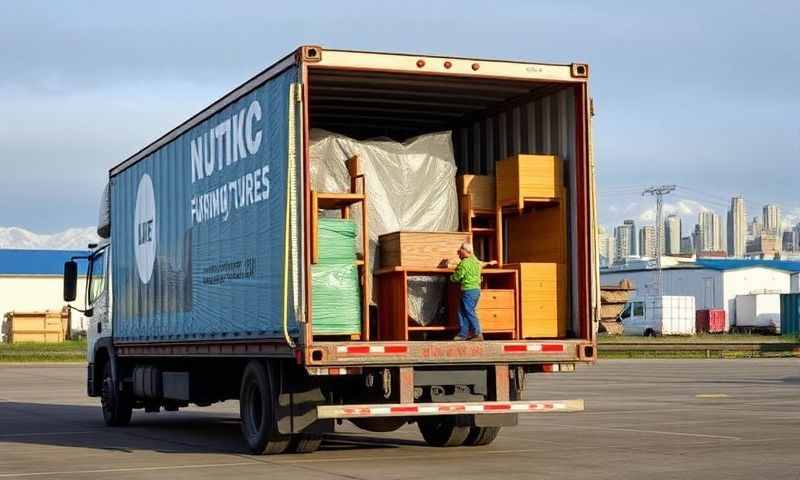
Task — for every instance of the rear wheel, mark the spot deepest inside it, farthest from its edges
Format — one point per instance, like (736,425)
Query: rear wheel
(442,431)
(117,404)
(305,443)
(481,436)
(257,399)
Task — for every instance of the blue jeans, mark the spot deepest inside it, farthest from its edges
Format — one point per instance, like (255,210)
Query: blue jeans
(467,318)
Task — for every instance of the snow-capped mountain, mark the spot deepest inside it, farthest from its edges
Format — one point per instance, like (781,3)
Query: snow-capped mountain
(70,239)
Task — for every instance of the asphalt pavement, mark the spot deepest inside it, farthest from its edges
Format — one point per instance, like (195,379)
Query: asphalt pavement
(644,419)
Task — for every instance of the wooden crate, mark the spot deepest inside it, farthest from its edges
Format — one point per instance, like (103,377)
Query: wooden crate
(543,299)
(528,178)
(539,235)
(420,249)
(41,327)
(480,189)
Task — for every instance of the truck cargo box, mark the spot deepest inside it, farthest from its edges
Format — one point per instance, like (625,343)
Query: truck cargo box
(199,227)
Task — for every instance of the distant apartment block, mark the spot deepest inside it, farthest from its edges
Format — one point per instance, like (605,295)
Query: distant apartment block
(672,235)
(771,218)
(737,228)
(647,241)
(710,233)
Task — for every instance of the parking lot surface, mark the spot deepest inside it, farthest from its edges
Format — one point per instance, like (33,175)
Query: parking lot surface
(649,419)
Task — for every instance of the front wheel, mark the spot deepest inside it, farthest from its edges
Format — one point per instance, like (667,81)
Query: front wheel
(257,402)
(442,431)
(117,404)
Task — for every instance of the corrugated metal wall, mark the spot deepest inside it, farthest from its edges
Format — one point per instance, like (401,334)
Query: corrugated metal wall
(543,126)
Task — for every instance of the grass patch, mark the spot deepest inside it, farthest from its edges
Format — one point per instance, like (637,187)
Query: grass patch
(687,354)
(69,351)
(700,338)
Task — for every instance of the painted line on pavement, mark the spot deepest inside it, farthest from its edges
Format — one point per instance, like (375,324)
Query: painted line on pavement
(127,469)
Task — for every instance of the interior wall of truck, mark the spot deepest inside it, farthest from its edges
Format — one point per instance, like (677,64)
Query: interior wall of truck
(490,120)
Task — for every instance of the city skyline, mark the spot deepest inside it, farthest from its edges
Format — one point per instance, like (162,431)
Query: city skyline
(769,233)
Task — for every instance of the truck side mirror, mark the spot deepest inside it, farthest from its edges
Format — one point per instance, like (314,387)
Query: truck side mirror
(70,280)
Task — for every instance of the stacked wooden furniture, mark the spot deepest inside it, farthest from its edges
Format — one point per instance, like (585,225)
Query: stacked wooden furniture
(477,207)
(531,201)
(344,201)
(409,254)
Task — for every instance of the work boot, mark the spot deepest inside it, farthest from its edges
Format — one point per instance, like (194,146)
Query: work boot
(476,338)
(459,338)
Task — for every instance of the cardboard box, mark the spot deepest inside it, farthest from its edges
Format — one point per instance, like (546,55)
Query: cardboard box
(528,177)
(420,249)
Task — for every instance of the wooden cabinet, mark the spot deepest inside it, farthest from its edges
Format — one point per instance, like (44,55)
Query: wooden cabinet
(420,249)
(528,178)
(543,299)
(497,310)
(538,235)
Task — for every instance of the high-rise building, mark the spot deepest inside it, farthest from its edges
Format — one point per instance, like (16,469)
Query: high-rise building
(632,242)
(754,229)
(771,215)
(686,245)
(605,247)
(789,241)
(710,235)
(672,235)
(737,228)
(647,241)
(622,243)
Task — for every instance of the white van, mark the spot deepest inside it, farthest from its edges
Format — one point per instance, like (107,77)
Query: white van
(653,315)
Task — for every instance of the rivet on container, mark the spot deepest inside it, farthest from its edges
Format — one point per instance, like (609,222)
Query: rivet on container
(448,64)
(420,63)
(476,66)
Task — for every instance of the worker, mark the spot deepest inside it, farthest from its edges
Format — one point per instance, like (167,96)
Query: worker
(468,274)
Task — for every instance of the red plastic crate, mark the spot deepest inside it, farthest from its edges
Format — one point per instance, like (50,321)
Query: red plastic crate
(710,321)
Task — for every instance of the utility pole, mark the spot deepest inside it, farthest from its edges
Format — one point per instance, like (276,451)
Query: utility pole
(659,192)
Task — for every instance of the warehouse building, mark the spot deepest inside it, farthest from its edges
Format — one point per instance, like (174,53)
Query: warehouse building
(714,283)
(32,281)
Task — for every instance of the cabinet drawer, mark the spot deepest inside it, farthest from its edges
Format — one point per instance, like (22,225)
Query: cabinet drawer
(494,298)
(496,319)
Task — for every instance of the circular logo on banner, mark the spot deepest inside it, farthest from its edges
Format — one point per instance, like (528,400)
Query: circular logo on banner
(144,233)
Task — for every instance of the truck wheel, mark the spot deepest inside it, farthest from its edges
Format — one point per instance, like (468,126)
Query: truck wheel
(481,436)
(305,443)
(442,431)
(257,398)
(117,405)
(379,424)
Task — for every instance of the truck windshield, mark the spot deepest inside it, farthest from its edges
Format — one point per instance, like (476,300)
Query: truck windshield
(97,277)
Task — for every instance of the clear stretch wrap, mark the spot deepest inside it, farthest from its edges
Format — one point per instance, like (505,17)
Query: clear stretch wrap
(410,186)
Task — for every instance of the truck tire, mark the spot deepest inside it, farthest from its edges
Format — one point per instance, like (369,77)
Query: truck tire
(481,436)
(257,398)
(379,424)
(305,443)
(117,405)
(442,431)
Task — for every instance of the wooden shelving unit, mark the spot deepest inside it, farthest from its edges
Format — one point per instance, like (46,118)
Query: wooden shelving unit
(344,201)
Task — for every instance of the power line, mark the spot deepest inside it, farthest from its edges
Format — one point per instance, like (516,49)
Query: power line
(659,192)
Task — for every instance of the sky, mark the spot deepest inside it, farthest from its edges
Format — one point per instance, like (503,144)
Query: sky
(702,95)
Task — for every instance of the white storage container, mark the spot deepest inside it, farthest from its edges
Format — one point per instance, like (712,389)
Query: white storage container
(758,311)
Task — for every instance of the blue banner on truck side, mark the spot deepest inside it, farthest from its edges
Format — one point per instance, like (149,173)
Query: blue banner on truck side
(198,228)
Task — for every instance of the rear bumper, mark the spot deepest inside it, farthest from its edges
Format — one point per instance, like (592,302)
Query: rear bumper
(429,409)
(416,353)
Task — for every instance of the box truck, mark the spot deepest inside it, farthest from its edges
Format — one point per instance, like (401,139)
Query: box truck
(201,288)
(659,315)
